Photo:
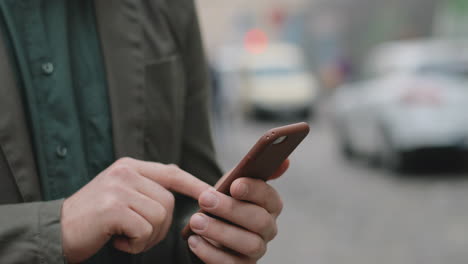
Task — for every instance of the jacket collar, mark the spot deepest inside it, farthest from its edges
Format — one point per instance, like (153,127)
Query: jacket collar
(15,140)
(121,38)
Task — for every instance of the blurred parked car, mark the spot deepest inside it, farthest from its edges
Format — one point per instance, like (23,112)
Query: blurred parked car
(414,100)
(275,81)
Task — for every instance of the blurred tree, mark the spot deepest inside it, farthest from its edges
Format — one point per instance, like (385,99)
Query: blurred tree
(460,6)
(452,18)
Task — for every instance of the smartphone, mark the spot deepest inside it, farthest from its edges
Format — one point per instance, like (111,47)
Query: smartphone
(264,159)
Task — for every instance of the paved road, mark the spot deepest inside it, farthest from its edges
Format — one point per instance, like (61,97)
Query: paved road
(337,212)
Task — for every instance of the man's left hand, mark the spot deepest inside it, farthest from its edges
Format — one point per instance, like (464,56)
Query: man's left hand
(251,215)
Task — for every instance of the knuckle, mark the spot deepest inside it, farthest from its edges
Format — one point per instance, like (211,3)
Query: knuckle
(266,223)
(167,198)
(257,248)
(134,249)
(112,202)
(121,172)
(275,204)
(274,232)
(141,239)
(280,206)
(172,165)
(228,204)
(116,184)
(166,206)
(147,232)
(172,168)
(137,248)
(161,216)
(114,191)
(124,161)
(170,200)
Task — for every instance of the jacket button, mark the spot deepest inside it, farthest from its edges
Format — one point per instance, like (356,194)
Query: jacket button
(61,152)
(48,68)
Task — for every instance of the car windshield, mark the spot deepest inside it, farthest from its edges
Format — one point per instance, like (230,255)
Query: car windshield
(449,69)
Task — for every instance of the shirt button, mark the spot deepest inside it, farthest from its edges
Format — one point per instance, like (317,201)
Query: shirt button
(48,68)
(61,152)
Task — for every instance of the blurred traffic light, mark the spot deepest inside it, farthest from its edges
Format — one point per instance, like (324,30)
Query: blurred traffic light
(256,41)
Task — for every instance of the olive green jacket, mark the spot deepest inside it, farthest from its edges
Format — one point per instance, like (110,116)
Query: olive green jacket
(159,96)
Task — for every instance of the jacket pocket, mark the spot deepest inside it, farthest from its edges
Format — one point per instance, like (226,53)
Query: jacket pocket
(164,102)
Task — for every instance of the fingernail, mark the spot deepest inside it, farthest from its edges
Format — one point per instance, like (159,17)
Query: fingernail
(193,241)
(199,222)
(242,190)
(208,200)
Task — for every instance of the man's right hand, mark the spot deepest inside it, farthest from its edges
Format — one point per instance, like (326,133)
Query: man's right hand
(130,202)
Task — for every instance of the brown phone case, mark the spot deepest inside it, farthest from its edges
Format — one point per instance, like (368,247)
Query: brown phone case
(264,159)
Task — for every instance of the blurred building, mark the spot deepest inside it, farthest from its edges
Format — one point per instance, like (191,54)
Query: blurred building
(358,25)
(452,19)
(335,34)
(224,22)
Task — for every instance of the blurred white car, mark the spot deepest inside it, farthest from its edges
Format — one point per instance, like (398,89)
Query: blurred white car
(415,99)
(276,81)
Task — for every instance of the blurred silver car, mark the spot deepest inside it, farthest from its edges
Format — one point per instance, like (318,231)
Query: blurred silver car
(275,81)
(415,99)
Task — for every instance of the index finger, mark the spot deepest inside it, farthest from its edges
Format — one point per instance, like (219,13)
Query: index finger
(257,192)
(170,177)
(281,170)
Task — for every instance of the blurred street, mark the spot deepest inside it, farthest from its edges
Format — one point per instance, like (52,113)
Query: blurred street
(341,212)
(385,85)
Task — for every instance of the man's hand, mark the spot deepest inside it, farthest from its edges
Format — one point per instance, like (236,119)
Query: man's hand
(129,202)
(251,212)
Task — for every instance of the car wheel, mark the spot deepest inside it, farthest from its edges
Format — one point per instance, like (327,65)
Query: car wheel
(390,158)
(304,114)
(347,151)
(258,113)
(345,145)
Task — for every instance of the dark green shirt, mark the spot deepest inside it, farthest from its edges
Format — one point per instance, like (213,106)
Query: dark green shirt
(56,49)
